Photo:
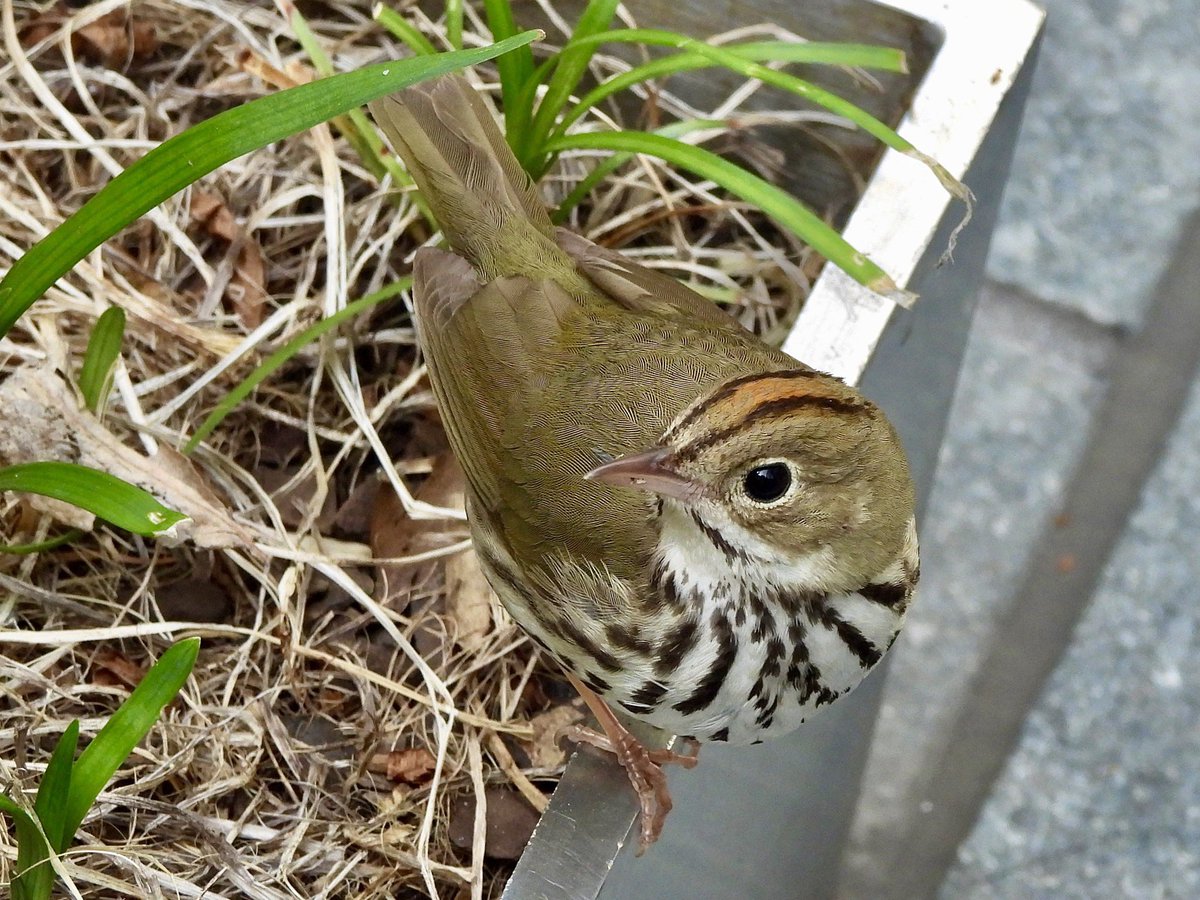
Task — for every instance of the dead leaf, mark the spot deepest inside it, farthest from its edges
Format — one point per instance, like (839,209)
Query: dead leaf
(510,822)
(23,524)
(44,421)
(295,497)
(115,668)
(353,518)
(247,289)
(468,600)
(413,766)
(173,476)
(209,210)
(114,40)
(393,534)
(545,750)
(42,25)
(246,292)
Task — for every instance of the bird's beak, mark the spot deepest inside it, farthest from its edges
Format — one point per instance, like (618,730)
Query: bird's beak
(650,471)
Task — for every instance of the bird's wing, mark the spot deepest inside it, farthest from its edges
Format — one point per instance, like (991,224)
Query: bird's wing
(537,387)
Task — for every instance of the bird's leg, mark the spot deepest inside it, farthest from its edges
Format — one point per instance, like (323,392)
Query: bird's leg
(641,764)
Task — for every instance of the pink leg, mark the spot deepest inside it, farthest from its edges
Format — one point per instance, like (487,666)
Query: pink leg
(644,766)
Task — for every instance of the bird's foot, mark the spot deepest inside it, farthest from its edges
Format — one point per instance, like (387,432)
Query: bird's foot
(642,764)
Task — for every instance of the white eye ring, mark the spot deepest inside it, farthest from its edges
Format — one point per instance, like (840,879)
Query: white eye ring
(769,483)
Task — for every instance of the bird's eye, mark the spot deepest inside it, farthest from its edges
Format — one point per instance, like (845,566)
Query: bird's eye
(766,484)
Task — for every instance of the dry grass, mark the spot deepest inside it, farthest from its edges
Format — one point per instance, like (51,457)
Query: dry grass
(269,777)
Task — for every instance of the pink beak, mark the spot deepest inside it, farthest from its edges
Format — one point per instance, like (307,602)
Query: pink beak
(647,471)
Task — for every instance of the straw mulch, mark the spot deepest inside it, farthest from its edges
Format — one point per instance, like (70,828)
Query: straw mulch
(346,715)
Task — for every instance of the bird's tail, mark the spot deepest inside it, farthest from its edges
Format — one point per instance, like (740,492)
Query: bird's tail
(486,204)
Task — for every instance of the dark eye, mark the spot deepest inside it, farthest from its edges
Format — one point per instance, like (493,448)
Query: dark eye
(767,483)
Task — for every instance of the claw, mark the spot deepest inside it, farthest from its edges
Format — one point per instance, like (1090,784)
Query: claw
(687,760)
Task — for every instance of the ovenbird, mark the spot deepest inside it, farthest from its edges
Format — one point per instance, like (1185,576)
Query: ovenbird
(709,535)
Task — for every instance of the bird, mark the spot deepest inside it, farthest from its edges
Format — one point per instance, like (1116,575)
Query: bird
(706,534)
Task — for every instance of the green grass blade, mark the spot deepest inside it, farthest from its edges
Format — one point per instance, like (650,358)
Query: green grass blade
(34,876)
(863,56)
(782,207)
(824,53)
(729,59)
(104,346)
(354,125)
(104,495)
(183,159)
(516,68)
(42,546)
(516,131)
(403,30)
(801,88)
(454,23)
(616,160)
(838,105)
(572,64)
(286,352)
(51,803)
(125,728)
(860,117)
(586,184)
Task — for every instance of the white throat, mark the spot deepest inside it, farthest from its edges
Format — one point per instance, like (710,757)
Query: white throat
(693,552)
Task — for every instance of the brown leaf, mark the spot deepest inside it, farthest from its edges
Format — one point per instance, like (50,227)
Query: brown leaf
(353,517)
(247,289)
(468,600)
(394,534)
(545,750)
(413,766)
(114,40)
(111,41)
(510,822)
(246,292)
(209,210)
(25,523)
(295,497)
(41,27)
(115,668)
